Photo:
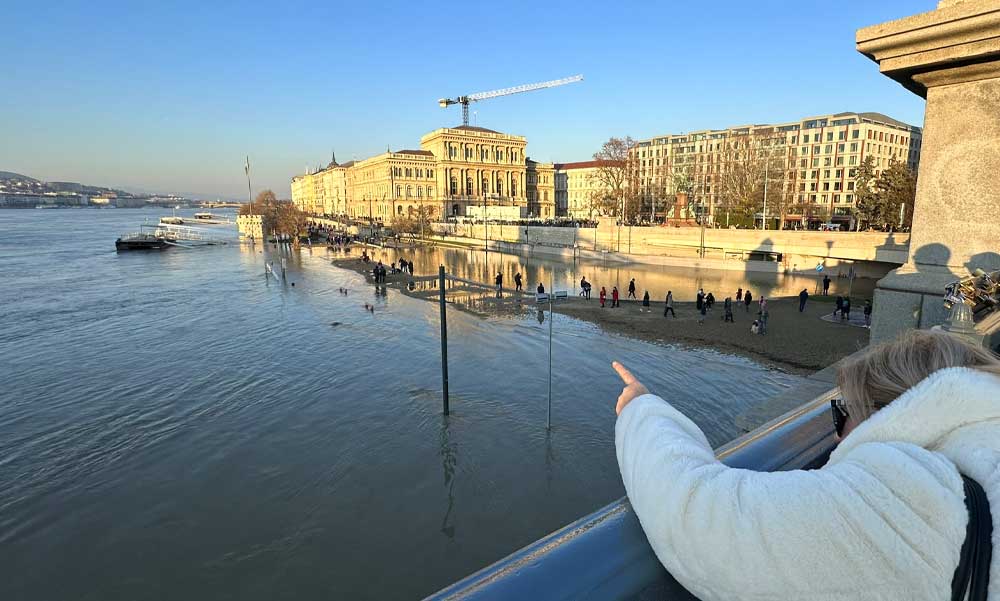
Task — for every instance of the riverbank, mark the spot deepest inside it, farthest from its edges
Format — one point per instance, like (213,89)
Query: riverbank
(799,343)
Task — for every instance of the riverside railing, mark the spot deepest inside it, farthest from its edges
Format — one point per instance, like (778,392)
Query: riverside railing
(605,555)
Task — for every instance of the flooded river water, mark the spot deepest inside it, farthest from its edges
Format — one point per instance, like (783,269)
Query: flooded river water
(174,425)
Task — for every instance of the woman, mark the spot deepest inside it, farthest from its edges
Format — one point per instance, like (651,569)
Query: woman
(884,519)
(604,295)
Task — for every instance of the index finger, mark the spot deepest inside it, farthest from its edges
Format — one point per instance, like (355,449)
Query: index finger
(623,373)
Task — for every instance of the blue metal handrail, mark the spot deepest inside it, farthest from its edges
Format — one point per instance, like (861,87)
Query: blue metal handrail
(605,555)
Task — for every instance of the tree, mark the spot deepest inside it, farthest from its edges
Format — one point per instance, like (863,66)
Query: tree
(617,174)
(747,159)
(279,216)
(866,196)
(897,188)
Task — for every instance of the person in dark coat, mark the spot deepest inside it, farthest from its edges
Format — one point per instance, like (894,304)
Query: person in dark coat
(614,297)
(826,285)
(631,290)
(739,295)
(845,310)
(803,297)
(840,306)
(499,282)
(699,300)
(747,297)
(868,313)
(517,281)
(645,300)
(728,306)
(668,304)
(709,301)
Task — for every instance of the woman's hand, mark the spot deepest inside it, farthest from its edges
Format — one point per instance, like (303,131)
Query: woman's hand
(633,387)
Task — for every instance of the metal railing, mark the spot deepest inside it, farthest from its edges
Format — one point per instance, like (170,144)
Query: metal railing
(605,555)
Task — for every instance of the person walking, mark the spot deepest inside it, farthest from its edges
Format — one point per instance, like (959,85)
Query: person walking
(747,298)
(668,305)
(839,305)
(585,288)
(762,303)
(868,313)
(604,295)
(699,300)
(826,285)
(739,294)
(728,306)
(803,297)
(614,296)
(645,301)
(499,281)
(540,289)
(709,301)
(845,311)
(918,428)
(701,314)
(631,290)
(762,318)
(517,282)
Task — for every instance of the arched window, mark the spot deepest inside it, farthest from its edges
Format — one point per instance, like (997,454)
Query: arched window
(468,186)
(420,192)
(513,188)
(430,192)
(499,187)
(399,210)
(454,186)
(409,191)
(399,191)
(486,185)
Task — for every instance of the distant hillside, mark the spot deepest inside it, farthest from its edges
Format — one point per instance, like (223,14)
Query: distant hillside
(12,175)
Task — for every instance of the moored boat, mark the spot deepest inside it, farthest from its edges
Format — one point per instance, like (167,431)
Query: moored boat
(140,241)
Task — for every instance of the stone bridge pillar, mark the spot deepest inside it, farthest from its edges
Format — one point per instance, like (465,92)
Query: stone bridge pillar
(951,57)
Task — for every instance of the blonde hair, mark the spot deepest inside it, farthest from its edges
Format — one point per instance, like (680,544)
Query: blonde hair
(875,378)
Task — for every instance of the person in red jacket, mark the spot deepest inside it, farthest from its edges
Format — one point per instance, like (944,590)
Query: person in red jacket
(614,296)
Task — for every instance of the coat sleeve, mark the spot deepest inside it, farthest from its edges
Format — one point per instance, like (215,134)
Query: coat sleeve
(886,522)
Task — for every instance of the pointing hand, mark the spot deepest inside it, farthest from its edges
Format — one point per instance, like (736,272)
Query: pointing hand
(633,387)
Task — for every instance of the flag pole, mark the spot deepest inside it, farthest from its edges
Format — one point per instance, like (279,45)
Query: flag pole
(249,190)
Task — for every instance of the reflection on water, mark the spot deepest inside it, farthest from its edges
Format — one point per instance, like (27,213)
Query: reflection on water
(177,425)
(566,273)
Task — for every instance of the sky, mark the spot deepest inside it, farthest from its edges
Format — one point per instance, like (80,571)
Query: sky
(170,96)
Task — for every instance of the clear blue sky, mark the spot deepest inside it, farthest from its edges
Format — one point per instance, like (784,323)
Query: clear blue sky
(169,96)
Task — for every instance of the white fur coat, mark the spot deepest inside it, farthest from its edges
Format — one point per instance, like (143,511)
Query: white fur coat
(884,519)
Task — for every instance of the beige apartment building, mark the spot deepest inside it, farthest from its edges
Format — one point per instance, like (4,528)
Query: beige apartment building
(812,161)
(579,189)
(455,168)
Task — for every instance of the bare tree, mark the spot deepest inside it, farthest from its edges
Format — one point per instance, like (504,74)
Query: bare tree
(747,159)
(618,176)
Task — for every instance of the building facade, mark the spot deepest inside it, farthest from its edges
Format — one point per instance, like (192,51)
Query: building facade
(541,189)
(454,169)
(810,166)
(579,189)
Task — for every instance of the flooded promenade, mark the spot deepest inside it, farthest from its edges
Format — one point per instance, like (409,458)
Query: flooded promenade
(175,425)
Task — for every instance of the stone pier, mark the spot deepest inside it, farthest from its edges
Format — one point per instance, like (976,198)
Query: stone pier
(951,57)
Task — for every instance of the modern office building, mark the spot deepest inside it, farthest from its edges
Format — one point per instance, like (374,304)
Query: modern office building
(811,165)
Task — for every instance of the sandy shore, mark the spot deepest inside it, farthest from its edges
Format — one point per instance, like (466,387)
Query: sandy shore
(796,342)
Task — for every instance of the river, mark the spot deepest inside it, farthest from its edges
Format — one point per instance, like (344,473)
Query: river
(176,425)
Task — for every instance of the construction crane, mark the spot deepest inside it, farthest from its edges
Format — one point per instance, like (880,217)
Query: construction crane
(465,100)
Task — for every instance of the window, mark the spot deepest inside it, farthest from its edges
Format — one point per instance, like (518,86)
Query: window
(513,189)
(815,163)
(854,159)
(805,138)
(812,197)
(829,136)
(468,186)
(850,185)
(840,148)
(499,187)
(828,149)
(855,134)
(839,173)
(840,161)
(454,186)
(827,161)
(813,174)
(812,187)
(826,186)
(430,192)
(420,192)
(802,187)
(409,192)
(815,149)
(836,186)
(850,198)
(826,173)
(842,135)
(854,146)
(399,191)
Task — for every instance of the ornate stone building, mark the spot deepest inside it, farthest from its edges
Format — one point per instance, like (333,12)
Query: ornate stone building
(455,168)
